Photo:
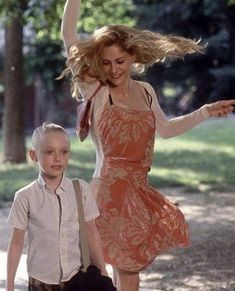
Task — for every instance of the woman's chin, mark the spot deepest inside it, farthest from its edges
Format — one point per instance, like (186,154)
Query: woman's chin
(116,82)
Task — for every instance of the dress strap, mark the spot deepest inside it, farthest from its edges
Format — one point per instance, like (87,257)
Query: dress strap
(110,99)
(150,98)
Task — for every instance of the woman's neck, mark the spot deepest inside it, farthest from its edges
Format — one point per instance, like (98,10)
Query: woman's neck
(122,90)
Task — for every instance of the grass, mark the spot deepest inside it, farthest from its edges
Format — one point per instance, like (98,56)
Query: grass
(202,159)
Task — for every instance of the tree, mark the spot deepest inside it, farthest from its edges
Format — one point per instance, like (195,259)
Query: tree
(45,58)
(44,17)
(13,118)
(201,75)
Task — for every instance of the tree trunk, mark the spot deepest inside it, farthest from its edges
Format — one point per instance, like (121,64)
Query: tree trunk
(13,119)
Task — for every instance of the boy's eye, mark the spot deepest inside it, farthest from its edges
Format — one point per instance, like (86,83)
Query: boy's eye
(120,62)
(65,152)
(49,152)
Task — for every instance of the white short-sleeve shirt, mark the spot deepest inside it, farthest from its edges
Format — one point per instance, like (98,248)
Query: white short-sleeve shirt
(51,220)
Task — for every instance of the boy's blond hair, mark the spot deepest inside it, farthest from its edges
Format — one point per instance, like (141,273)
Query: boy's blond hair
(44,129)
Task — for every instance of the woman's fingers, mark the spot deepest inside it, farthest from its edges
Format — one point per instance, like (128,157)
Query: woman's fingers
(221,108)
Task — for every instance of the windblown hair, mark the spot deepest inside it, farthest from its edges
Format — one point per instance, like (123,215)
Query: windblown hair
(148,48)
(43,130)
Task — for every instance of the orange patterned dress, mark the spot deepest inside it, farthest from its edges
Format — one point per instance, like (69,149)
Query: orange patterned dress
(136,221)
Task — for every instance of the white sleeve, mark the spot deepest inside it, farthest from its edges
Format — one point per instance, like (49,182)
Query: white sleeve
(19,213)
(86,89)
(167,128)
(69,23)
(90,208)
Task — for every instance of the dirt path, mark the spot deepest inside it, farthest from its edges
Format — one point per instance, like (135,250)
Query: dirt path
(207,265)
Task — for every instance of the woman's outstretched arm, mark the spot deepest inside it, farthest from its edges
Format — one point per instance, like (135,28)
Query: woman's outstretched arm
(69,23)
(171,127)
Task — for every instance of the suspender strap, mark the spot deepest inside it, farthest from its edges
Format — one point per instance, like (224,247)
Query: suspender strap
(82,226)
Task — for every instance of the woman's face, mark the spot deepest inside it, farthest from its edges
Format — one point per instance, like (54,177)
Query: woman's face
(117,64)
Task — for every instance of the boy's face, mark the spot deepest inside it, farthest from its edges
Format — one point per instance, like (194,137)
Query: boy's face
(52,154)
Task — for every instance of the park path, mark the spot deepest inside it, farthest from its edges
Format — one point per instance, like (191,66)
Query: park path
(207,265)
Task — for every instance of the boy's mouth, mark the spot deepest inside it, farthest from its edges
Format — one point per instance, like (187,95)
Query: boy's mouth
(57,167)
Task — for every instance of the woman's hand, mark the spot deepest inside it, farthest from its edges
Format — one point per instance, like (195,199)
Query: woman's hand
(220,108)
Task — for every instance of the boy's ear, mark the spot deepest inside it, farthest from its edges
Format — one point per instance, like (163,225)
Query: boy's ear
(33,155)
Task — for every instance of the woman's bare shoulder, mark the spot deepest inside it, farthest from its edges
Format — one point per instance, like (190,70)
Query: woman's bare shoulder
(145,85)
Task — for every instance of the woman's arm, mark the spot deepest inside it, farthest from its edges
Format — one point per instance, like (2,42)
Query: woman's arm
(14,252)
(95,247)
(167,128)
(69,23)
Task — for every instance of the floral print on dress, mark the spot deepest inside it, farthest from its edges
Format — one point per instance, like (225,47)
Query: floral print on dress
(136,222)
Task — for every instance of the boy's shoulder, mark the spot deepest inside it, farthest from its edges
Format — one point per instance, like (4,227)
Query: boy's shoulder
(27,188)
(82,183)
(85,186)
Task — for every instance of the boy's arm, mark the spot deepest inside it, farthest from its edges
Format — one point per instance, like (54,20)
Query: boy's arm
(69,23)
(14,252)
(95,247)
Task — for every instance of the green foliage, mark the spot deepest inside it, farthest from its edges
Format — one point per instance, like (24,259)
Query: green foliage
(97,13)
(45,58)
(231,2)
(209,20)
(12,8)
(44,16)
(200,160)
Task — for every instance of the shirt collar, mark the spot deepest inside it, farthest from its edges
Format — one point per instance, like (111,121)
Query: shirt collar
(43,185)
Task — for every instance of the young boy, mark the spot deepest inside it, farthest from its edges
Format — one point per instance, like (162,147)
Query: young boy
(47,210)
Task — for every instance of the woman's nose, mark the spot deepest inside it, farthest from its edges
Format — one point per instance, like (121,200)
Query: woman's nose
(113,68)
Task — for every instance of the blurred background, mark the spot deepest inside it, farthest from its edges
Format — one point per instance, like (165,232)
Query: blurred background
(32,56)
(196,169)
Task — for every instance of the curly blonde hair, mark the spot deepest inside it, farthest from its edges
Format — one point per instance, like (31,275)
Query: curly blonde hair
(148,48)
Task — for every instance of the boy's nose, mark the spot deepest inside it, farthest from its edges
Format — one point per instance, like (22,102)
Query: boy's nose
(57,157)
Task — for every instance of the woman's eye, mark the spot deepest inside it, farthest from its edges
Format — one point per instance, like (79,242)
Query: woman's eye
(120,62)
(49,152)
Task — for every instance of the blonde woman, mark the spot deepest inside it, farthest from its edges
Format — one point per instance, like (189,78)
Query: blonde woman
(136,221)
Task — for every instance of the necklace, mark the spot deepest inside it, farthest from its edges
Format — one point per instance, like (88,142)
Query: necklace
(125,92)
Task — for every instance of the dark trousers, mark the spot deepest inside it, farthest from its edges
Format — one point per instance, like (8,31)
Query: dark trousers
(71,285)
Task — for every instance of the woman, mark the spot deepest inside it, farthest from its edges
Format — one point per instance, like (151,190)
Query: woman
(136,221)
